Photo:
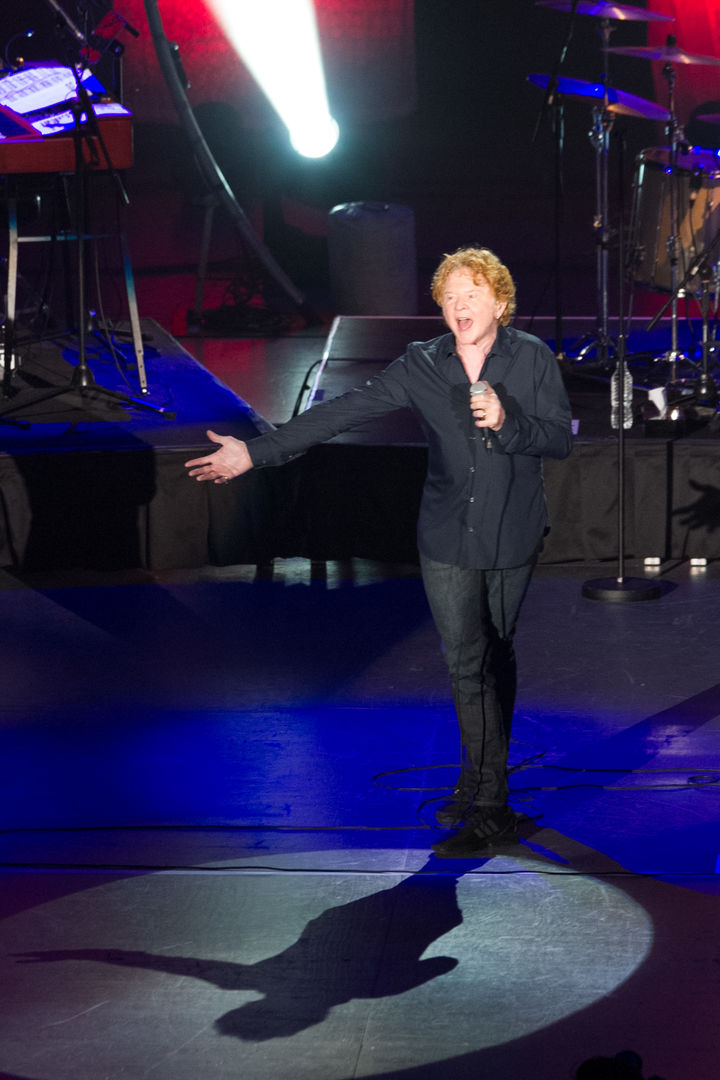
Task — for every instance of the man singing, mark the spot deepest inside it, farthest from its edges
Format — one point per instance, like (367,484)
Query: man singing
(492,404)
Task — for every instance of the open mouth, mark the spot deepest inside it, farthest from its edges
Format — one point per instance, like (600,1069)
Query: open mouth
(464,324)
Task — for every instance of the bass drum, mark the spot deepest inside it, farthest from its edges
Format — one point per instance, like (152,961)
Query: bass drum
(697,181)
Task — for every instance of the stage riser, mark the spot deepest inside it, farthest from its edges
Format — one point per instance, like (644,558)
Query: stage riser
(127,510)
(363,501)
(90,495)
(130,510)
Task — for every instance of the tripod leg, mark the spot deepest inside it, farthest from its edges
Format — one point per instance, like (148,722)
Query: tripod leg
(133,311)
(11,294)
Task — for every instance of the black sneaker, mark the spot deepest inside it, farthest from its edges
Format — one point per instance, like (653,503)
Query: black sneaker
(486,828)
(453,812)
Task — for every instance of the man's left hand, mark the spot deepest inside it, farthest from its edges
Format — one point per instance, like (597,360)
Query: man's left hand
(487,410)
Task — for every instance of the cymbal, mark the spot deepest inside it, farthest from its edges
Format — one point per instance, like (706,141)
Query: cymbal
(606,11)
(670,54)
(619,102)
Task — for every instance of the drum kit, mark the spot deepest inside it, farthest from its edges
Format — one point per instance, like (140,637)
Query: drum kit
(674,232)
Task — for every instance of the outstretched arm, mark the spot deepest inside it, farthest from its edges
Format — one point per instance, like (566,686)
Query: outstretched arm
(232,459)
(378,396)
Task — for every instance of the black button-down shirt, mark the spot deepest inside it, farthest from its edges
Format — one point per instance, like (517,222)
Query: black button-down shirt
(483,502)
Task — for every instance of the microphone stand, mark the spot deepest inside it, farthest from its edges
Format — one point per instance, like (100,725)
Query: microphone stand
(621,588)
(72,27)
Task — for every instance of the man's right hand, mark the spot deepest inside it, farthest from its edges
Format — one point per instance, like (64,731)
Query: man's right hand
(231,460)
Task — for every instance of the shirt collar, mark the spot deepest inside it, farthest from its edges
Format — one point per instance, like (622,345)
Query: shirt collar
(501,345)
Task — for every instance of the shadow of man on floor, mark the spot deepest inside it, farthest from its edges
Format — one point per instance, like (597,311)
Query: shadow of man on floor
(369,948)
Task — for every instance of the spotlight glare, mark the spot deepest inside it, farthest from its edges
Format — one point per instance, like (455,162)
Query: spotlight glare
(278,42)
(315,141)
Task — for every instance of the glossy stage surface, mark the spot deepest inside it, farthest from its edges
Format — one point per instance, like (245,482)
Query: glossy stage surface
(217,818)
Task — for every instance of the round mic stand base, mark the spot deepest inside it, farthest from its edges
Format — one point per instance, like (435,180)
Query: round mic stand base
(622,589)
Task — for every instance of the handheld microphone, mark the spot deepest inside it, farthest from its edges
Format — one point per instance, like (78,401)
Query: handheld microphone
(477,390)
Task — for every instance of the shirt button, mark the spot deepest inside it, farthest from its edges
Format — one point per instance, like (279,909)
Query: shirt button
(470,528)
(472,498)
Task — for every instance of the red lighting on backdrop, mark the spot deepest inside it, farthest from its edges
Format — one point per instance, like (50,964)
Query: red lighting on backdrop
(368,52)
(697,29)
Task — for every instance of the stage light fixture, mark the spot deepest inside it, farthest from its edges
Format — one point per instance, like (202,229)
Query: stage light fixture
(278,42)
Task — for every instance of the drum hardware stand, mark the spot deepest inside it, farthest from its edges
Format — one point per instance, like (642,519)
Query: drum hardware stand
(600,139)
(554,101)
(707,391)
(557,106)
(675,137)
(558,120)
(669,53)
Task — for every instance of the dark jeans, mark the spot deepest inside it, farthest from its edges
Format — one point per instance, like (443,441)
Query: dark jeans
(475,612)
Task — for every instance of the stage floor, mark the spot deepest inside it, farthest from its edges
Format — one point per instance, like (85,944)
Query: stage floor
(217,817)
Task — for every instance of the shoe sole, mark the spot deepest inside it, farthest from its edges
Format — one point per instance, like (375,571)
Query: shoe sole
(447,817)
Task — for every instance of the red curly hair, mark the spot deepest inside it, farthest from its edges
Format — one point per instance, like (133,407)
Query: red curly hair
(483,264)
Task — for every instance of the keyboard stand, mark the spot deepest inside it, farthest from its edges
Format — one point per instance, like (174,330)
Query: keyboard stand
(14,240)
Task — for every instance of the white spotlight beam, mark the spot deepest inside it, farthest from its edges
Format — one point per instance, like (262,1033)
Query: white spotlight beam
(212,175)
(278,42)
